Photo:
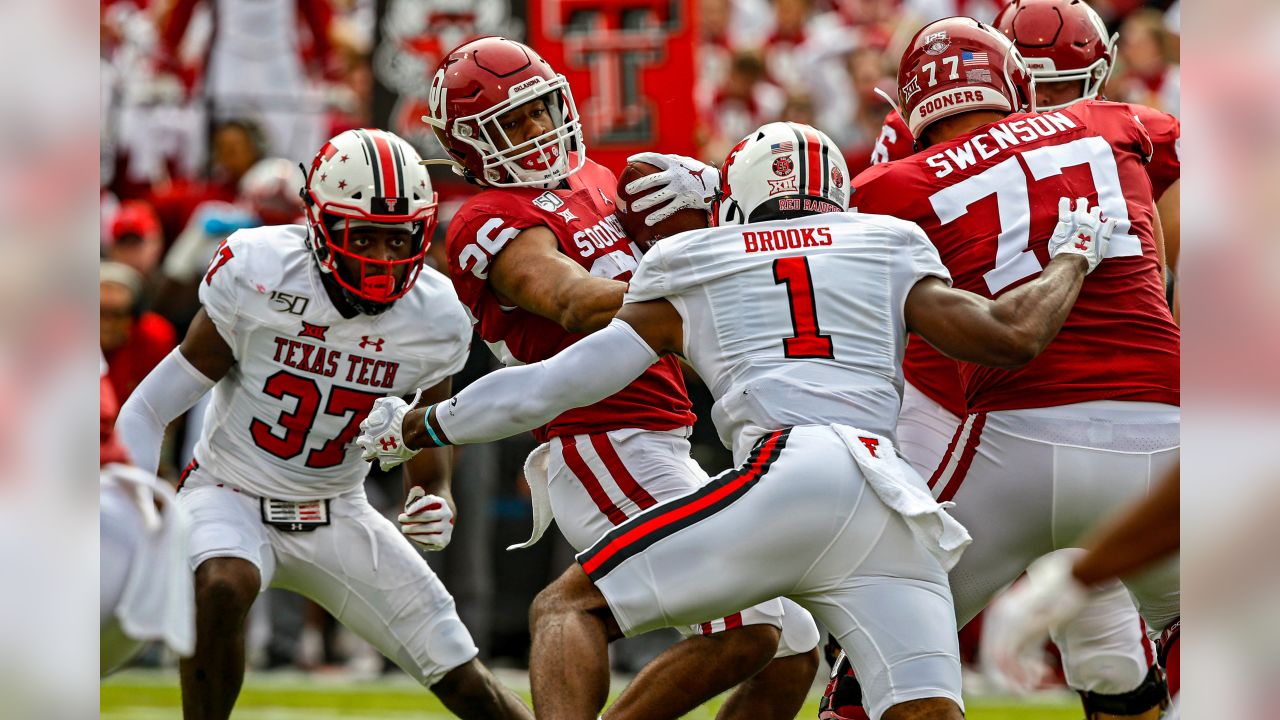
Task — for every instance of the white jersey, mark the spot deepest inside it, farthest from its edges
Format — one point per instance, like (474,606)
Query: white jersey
(284,420)
(794,322)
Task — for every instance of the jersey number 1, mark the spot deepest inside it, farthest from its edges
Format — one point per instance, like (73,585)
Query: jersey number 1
(807,340)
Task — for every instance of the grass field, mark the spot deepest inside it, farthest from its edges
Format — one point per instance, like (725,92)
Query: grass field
(152,695)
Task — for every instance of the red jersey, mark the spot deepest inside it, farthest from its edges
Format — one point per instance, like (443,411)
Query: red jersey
(895,141)
(931,372)
(583,218)
(1166,140)
(988,200)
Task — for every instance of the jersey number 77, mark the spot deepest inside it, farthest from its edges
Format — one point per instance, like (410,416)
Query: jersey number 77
(1010,183)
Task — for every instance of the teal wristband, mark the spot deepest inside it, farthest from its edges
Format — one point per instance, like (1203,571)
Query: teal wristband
(426,422)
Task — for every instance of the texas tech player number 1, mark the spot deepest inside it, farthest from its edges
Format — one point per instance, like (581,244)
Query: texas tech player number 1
(808,340)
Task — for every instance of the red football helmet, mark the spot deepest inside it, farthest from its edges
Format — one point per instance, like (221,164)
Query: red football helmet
(1062,40)
(485,78)
(956,65)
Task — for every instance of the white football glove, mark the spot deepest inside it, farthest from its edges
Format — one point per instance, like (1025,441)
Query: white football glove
(683,183)
(1018,623)
(427,520)
(381,435)
(1081,232)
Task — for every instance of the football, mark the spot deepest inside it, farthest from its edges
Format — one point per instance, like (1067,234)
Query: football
(633,222)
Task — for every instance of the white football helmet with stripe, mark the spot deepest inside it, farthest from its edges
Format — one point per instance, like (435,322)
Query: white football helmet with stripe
(368,176)
(782,170)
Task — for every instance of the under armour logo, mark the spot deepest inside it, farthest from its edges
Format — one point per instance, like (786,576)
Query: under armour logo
(313,331)
(1084,241)
(366,342)
(698,174)
(388,443)
(871,444)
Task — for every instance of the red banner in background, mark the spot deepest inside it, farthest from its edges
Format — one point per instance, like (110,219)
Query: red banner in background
(630,64)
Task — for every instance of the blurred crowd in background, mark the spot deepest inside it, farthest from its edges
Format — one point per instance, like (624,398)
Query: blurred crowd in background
(209,106)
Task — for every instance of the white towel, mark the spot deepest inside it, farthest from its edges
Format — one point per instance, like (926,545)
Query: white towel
(158,602)
(536,474)
(904,491)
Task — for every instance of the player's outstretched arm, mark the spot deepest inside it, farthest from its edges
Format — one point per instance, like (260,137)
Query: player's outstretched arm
(171,388)
(1013,329)
(532,273)
(517,399)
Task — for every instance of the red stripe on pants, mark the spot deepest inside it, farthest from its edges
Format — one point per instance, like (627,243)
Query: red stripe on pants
(946,456)
(679,512)
(578,467)
(966,459)
(621,475)
(730,622)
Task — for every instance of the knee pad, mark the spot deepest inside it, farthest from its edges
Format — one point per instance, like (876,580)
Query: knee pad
(1152,693)
(799,632)
(448,646)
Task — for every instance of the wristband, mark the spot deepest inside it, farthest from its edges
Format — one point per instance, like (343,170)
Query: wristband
(426,422)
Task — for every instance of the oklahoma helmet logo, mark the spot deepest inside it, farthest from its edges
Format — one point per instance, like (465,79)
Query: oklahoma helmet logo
(436,97)
(782,166)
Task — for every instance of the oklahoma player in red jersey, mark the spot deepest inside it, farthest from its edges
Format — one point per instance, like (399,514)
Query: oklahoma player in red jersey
(956,81)
(1071,55)
(540,259)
